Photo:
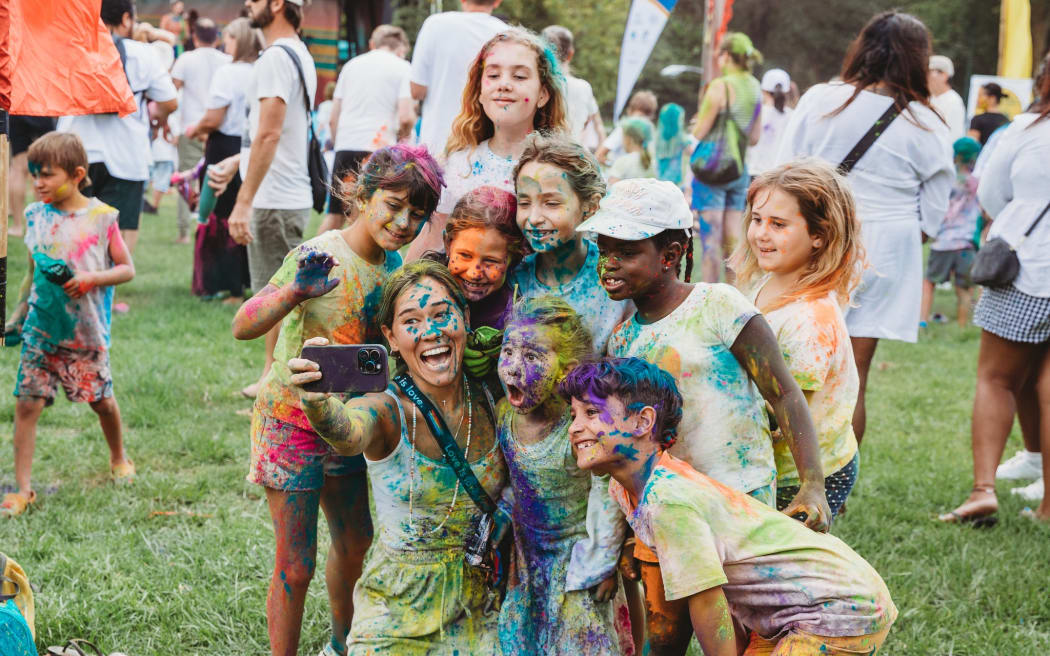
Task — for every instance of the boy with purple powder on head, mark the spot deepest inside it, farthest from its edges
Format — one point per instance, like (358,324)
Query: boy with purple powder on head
(753,577)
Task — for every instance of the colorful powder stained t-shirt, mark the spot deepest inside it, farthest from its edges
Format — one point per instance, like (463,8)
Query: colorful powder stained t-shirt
(776,574)
(345,315)
(81,240)
(584,293)
(813,338)
(471,168)
(724,431)
(960,222)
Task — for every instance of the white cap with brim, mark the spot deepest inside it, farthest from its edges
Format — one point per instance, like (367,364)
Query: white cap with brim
(640,208)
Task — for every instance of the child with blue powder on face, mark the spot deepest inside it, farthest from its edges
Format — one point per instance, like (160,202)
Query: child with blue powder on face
(568,532)
(723,355)
(559,185)
(329,286)
(798,263)
(76,256)
(731,560)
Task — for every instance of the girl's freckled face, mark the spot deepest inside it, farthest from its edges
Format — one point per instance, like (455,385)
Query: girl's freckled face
(428,332)
(548,208)
(509,80)
(478,258)
(392,220)
(528,365)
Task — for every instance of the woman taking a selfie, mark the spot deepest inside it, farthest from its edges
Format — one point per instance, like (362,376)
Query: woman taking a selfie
(416,591)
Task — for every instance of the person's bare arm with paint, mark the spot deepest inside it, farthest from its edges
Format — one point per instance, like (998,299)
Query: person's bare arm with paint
(713,623)
(757,352)
(266,309)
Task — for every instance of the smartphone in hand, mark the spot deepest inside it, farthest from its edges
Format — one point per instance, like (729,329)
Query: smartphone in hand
(349,368)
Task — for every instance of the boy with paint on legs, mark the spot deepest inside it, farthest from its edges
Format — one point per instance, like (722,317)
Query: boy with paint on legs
(329,286)
(76,256)
(742,567)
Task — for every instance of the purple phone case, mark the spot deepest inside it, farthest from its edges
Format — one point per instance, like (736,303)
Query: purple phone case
(355,368)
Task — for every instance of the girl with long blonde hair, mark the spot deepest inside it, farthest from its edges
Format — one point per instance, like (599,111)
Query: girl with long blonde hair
(514,87)
(800,260)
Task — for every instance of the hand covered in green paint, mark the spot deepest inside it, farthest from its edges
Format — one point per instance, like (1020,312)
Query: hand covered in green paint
(311,278)
(307,371)
(605,590)
(811,501)
(482,350)
(80,284)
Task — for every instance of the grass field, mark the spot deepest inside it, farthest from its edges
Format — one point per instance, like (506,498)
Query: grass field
(104,568)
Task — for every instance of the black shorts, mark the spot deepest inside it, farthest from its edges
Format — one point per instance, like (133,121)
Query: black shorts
(124,195)
(24,130)
(344,171)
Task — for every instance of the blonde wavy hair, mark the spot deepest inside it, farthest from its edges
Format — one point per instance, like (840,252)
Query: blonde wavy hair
(826,203)
(472,127)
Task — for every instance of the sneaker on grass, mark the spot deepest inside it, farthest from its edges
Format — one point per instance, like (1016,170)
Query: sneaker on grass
(1023,464)
(1032,492)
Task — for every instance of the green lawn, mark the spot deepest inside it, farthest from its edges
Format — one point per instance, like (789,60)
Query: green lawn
(105,569)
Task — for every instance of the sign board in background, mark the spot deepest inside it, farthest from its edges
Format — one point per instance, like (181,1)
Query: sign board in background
(1018,94)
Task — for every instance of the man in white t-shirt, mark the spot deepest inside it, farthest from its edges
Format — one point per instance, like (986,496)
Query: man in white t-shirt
(948,103)
(119,148)
(364,112)
(579,97)
(446,46)
(274,201)
(192,74)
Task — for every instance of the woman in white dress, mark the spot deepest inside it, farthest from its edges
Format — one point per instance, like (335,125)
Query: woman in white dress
(901,184)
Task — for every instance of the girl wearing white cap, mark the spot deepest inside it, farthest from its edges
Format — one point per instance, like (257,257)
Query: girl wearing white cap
(716,344)
(761,157)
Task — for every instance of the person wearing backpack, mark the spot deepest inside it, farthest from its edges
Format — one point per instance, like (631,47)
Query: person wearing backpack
(275,198)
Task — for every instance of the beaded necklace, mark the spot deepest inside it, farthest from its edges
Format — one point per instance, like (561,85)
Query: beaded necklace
(414,471)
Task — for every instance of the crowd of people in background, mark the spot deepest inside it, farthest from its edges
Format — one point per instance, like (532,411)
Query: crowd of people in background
(636,433)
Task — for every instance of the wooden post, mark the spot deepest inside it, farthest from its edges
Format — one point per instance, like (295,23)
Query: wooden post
(5,163)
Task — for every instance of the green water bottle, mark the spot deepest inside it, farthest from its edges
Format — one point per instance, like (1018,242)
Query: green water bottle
(207,200)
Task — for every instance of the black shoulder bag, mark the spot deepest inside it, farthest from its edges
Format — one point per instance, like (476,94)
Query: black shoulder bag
(478,546)
(314,160)
(996,264)
(869,138)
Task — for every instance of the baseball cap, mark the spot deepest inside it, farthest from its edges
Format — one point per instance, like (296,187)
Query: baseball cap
(775,76)
(638,208)
(943,64)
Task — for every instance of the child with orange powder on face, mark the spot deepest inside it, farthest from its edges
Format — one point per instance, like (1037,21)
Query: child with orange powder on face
(329,286)
(798,265)
(513,88)
(76,256)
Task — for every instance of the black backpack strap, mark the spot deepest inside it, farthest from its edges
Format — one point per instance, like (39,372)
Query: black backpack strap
(1037,220)
(873,133)
(302,80)
(447,443)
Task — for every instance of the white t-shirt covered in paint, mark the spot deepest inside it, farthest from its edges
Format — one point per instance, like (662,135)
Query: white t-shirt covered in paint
(123,144)
(287,182)
(472,168)
(724,431)
(445,48)
(229,88)
(195,69)
(368,88)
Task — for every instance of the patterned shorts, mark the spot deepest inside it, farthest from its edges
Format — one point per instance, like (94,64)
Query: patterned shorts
(837,487)
(83,374)
(292,459)
(1013,315)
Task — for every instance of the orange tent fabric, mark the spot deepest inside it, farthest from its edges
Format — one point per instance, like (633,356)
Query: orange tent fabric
(58,59)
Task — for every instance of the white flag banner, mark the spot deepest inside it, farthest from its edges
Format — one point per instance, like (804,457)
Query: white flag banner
(645,22)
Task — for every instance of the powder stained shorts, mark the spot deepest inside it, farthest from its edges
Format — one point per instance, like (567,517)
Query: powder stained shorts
(83,374)
(292,459)
(799,643)
(274,232)
(941,265)
(730,196)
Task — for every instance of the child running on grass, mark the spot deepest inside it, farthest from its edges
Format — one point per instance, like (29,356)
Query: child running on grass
(799,262)
(330,287)
(559,185)
(568,532)
(730,559)
(76,256)
(723,355)
(513,87)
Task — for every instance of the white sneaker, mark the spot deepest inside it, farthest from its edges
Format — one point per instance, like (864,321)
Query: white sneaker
(1023,464)
(1031,492)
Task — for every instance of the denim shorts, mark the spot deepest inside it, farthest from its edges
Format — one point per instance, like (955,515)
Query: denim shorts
(731,196)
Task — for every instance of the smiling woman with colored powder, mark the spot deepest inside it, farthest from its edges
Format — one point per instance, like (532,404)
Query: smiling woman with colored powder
(513,88)
(416,594)
(328,287)
(567,599)
(559,185)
